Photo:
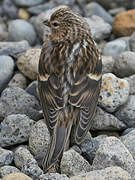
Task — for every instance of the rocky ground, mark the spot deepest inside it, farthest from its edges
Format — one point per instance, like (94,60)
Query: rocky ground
(108,151)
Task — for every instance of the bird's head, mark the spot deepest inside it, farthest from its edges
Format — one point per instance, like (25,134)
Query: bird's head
(65,23)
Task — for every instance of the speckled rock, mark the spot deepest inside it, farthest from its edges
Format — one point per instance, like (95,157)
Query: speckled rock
(27,3)
(129,141)
(106,121)
(116,47)
(21,30)
(15,129)
(33,89)
(100,30)
(110,173)
(126,113)
(125,64)
(107,64)
(114,92)
(6,70)
(17,176)
(73,164)
(28,63)
(94,8)
(112,152)
(53,176)
(6,157)
(124,23)
(39,140)
(13,48)
(18,80)
(131,80)
(25,161)
(5,170)
(17,101)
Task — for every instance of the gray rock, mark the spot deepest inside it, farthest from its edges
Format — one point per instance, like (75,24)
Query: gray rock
(112,152)
(15,129)
(126,113)
(35,10)
(100,30)
(25,161)
(6,157)
(115,11)
(6,70)
(28,63)
(114,92)
(126,131)
(94,8)
(107,64)
(88,149)
(106,121)
(18,80)
(116,47)
(33,89)
(73,164)
(13,48)
(53,176)
(110,173)
(125,64)
(27,3)
(39,140)
(5,170)
(131,80)
(10,9)
(132,42)
(21,30)
(17,101)
(129,141)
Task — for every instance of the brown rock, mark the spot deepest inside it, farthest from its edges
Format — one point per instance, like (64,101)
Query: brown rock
(124,23)
(16,176)
(23,14)
(28,63)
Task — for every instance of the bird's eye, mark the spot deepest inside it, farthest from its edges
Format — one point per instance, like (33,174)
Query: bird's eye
(55,24)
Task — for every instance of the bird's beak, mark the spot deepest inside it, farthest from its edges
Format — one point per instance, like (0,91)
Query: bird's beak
(46,23)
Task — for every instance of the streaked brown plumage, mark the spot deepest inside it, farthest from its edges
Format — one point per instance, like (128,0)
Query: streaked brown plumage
(69,81)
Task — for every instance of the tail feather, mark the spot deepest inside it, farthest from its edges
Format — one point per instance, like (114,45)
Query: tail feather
(56,147)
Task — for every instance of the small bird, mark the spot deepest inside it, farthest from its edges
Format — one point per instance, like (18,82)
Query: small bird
(69,82)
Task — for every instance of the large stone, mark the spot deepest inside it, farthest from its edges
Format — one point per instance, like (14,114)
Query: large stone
(126,113)
(6,157)
(6,70)
(73,164)
(116,47)
(17,176)
(112,152)
(129,141)
(17,101)
(125,64)
(39,140)
(131,80)
(5,170)
(28,63)
(110,173)
(106,121)
(21,30)
(94,8)
(100,30)
(114,92)
(124,23)
(53,176)
(27,3)
(13,48)
(15,129)
(25,161)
